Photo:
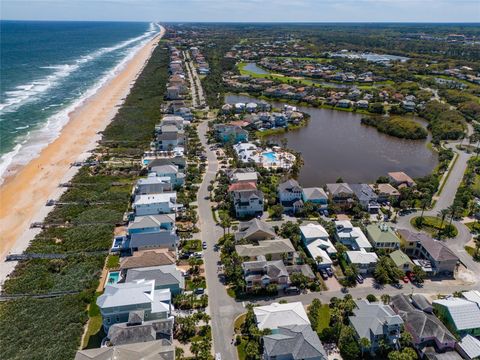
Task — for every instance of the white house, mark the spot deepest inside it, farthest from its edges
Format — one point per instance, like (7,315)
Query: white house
(153,204)
(364,261)
(170,171)
(275,315)
(351,236)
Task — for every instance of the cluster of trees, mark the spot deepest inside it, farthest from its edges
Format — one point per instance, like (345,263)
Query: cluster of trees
(53,327)
(187,330)
(251,336)
(444,123)
(400,127)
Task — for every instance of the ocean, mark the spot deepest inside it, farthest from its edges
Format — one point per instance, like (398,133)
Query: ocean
(47,69)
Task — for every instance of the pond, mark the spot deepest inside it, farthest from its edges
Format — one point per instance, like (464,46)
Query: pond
(253,67)
(335,144)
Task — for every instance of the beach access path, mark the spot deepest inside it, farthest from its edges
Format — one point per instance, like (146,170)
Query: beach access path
(23,195)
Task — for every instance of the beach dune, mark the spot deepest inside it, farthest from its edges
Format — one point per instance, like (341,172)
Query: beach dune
(24,194)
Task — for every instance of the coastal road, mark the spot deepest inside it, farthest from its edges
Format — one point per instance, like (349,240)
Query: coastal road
(223,309)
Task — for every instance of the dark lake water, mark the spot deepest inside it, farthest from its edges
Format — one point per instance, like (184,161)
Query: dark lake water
(335,144)
(253,67)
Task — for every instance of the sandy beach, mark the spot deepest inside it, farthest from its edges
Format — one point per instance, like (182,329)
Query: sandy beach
(24,194)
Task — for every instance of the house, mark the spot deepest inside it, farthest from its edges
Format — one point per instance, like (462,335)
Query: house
(469,347)
(231,133)
(173,93)
(137,330)
(316,196)
(247,203)
(120,299)
(460,315)
(277,249)
(399,179)
(243,175)
(289,193)
(385,192)
(147,258)
(239,186)
(344,103)
(318,244)
(293,342)
(362,104)
(367,198)
(340,194)
(375,322)
(408,105)
(261,273)
(152,184)
(153,204)
(178,161)
(277,315)
(167,141)
(383,237)
(363,260)
(152,231)
(165,277)
(401,260)
(421,246)
(251,107)
(351,236)
(421,303)
(154,350)
(255,230)
(426,329)
(177,178)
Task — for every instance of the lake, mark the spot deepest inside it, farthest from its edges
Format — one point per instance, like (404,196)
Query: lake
(335,144)
(253,67)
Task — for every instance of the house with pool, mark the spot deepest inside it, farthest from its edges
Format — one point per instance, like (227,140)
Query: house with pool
(270,158)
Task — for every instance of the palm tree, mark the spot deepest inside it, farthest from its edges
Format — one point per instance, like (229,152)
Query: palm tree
(442,214)
(424,203)
(364,344)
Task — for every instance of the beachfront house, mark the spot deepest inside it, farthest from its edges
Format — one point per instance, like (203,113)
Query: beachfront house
(383,237)
(177,178)
(248,203)
(376,322)
(121,299)
(165,277)
(154,204)
(159,349)
(152,184)
(351,236)
(152,231)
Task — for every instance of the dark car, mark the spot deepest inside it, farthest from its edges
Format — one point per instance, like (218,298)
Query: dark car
(292,290)
(359,279)
(199,291)
(329,271)
(324,274)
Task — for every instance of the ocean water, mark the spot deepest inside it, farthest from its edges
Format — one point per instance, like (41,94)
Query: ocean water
(47,69)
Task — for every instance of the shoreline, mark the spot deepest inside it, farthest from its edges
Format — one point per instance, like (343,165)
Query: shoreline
(23,195)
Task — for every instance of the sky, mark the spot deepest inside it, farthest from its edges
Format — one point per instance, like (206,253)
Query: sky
(245,10)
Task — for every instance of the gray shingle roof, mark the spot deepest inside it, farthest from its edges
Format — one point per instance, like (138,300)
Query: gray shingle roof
(152,350)
(249,228)
(297,341)
(290,185)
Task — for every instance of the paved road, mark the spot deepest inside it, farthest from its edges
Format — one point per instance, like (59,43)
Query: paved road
(223,309)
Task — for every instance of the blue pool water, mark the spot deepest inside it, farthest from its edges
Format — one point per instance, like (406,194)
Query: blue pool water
(270,156)
(113,277)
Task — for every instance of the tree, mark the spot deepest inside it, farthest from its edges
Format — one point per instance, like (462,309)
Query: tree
(364,344)
(442,214)
(405,338)
(371,298)
(419,274)
(277,211)
(252,351)
(385,298)
(348,345)
(179,353)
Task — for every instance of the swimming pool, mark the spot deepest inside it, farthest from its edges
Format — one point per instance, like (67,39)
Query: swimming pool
(112,278)
(270,157)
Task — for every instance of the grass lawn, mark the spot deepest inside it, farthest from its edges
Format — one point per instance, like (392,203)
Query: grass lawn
(193,245)
(113,262)
(241,350)
(473,226)
(431,224)
(94,333)
(190,286)
(324,318)
(239,322)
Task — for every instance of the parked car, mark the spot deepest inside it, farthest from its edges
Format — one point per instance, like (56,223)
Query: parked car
(204,245)
(324,274)
(329,271)
(411,276)
(359,279)
(199,291)
(292,290)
